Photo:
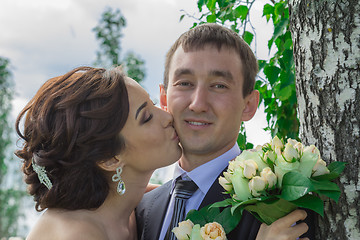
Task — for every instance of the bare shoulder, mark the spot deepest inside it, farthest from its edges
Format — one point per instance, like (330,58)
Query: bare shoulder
(70,225)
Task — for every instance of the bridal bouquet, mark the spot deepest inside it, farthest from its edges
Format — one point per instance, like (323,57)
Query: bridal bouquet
(271,181)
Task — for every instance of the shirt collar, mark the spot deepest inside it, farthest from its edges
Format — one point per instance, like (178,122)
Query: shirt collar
(212,169)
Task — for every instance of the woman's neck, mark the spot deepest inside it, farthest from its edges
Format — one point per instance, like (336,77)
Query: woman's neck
(117,210)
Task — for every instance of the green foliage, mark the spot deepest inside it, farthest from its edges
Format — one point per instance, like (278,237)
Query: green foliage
(5,107)
(10,201)
(277,89)
(134,66)
(109,33)
(9,198)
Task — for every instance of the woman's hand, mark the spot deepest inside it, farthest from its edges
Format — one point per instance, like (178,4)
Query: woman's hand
(284,228)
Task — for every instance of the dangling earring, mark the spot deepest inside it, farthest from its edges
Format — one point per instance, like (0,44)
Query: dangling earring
(121,185)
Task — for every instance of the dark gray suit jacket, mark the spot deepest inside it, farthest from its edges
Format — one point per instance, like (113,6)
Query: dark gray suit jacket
(151,211)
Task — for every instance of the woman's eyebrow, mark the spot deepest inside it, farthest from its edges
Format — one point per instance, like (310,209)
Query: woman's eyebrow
(139,109)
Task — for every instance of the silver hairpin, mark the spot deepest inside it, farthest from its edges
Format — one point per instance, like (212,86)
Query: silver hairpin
(41,172)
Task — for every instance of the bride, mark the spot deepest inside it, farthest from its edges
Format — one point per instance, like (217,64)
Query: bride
(91,140)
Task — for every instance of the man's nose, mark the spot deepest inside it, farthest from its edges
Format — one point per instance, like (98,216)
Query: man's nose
(199,100)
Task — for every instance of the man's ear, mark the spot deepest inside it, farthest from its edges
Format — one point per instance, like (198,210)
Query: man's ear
(163,101)
(251,105)
(111,165)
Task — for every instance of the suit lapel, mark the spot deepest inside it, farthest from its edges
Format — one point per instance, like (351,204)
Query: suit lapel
(156,212)
(215,193)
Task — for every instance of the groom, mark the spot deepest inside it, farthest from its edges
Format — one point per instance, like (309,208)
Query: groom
(209,89)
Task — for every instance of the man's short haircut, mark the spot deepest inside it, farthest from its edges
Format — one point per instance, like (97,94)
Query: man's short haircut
(219,36)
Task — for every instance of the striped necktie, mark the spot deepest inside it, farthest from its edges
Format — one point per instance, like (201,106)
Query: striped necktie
(184,189)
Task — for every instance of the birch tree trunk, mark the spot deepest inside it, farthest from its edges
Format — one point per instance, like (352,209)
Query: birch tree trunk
(326,37)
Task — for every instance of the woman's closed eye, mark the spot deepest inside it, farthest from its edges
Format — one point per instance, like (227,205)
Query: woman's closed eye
(146,118)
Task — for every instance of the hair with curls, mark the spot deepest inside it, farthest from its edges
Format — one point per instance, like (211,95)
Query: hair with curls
(218,36)
(71,124)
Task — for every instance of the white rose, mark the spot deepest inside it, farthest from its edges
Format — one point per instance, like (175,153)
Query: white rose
(276,143)
(235,164)
(320,168)
(299,146)
(250,168)
(290,153)
(183,231)
(213,231)
(293,142)
(225,183)
(269,176)
(257,184)
(251,154)
(227,175)
(270,155)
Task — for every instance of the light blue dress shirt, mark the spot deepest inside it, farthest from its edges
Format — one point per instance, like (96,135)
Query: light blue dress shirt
(204,176)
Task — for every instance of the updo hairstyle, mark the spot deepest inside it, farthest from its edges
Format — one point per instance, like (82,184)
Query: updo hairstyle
(71,124)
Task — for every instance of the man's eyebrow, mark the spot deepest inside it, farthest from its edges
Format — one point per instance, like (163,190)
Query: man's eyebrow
(183,71)
(139,109)
(225,74)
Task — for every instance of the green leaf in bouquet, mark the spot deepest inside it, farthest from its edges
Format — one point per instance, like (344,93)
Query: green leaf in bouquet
(335,195)
(311,202)
(243,204)
(324,185)
(204,215)
(196,217)
(330,176)
(295,185)
(223,203)
(337,167)
(270,212)
(228,220)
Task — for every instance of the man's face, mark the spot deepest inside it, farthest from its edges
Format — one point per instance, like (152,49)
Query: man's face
(205,97)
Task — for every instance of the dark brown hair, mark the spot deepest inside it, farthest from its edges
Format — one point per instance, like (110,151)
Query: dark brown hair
(72,123)
(219,36)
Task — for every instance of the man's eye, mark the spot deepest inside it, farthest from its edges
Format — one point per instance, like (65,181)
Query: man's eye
(220,86)
(184,84)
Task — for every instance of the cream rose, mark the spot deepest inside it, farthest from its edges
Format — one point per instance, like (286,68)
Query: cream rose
(269,176)
(250,168)
(320,168)
(183,231)
(276,143)
(225,184)
(213,231)
(290,153)
(256,185)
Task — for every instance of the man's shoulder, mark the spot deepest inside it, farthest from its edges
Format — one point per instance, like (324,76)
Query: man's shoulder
(153,195)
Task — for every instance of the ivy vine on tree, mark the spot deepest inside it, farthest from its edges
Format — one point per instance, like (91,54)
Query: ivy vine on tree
(277,87)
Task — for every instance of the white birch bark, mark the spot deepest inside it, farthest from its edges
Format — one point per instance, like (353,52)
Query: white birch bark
(326,37)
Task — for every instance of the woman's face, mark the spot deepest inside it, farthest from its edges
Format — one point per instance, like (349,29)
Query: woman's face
(150,138)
